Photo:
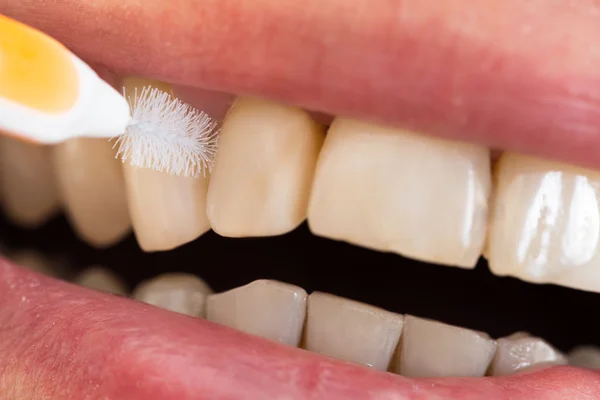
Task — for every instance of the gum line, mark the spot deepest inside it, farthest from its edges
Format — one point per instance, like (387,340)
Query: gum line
(82,344)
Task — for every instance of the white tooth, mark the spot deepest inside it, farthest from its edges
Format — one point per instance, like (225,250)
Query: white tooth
(103,280)
(263,170)
(545,223)
(90,180)
(166,211)
(178,292)
(29,192)
(351,331)
(391,190)
(434,349)
(585,357)
(517,352)
(270,309)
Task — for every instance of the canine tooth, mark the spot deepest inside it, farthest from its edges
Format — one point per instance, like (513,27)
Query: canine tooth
(166,210)
(391,190)
(434,349)
(273,310)
(178,292)
(102,279)
(585,357)
(263,170)
(351,331)
(92,188)
(518,352)
(545,223)
(29,193)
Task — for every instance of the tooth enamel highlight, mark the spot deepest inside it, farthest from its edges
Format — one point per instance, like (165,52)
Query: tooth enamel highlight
(585,357)
(92,188)
(545,223)
(391,190)
(270,309)
(518,352)
(103,280)
(178,292)
(263,169)
(351,331)
(166,210)
(29,193)
(434,349)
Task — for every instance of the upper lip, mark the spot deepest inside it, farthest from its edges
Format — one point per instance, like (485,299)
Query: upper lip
(503,73)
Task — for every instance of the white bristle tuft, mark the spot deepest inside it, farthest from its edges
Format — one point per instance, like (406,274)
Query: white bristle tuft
(168,135)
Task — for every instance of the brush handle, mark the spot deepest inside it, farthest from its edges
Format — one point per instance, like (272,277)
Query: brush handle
(47,94)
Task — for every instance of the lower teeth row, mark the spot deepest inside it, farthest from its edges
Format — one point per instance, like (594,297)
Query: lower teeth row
(338,327)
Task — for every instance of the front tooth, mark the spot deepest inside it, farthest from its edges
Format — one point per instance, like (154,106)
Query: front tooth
(434,349)
(102,279)
(91,183)
(270,309)
(166,210)
(178,292)
(263,170)
(585,357)
(545,223)
(518,352)
(351,331)
(29,193)
(391,190)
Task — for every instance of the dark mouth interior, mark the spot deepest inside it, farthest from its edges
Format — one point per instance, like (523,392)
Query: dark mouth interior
(471,298)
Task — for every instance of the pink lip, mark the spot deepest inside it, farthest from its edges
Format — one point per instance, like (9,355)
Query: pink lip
(509,74)
(61,341)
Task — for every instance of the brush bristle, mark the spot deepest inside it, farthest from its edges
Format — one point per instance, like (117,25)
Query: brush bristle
(168,135)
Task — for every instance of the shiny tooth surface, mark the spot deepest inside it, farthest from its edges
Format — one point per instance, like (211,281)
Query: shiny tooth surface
(178,292)
(29,191)
(102,279)
(90,180)
(273,310)
(585,357)
(392,190)
(519,351)
(434,349)
(263,169)
(545,222)
(351,331)
(166,211)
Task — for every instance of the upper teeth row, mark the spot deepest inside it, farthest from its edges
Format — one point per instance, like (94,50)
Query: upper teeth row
(373,186)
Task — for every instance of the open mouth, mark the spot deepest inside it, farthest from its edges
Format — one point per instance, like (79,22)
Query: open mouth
(337,235)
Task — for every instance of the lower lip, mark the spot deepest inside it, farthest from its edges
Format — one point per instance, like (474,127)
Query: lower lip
(83,344)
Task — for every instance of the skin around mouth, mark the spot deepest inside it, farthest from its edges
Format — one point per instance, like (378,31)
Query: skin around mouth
(502,73)
(91,345)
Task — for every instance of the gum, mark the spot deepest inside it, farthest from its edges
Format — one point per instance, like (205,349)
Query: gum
(61,341)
